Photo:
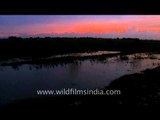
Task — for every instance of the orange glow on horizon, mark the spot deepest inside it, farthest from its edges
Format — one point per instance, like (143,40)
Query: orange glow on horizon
(98,28)
(121,25)
(104,26)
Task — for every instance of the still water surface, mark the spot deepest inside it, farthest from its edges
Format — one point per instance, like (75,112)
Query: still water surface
(23,81)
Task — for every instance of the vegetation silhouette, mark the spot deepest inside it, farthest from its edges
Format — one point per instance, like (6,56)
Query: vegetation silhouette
(42,47)
(56,61)
(138,90)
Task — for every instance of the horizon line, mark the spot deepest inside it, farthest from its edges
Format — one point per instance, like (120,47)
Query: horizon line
(76,37)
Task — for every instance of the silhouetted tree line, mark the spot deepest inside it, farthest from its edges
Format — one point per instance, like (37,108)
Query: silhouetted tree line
(35,47)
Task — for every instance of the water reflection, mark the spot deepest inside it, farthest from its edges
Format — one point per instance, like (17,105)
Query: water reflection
(78,73)
(136,64)
(74,69)
(86,54)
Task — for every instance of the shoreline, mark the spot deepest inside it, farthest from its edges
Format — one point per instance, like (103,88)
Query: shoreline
(139,90)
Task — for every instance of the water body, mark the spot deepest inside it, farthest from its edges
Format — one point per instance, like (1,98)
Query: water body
(23,81)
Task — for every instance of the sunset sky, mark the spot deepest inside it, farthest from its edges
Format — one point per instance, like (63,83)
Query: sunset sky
(106,26)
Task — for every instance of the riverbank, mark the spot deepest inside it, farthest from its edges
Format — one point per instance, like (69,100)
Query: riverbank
(138,91)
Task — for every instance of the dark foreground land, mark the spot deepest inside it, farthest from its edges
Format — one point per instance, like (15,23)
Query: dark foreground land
(42,47)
